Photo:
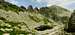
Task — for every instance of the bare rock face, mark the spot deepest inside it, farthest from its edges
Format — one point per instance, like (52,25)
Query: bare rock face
(71,25)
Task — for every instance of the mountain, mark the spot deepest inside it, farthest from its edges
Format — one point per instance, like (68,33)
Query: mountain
(21,20)
(60,11)
(57,13)
(57,10)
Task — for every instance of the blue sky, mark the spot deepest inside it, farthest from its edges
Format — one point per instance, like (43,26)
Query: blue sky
(69,4)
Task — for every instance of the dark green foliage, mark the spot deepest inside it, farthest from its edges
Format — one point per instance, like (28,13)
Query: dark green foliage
(12,23)
(43,9)
(14,8)
(45,20)
(5,27)
(8,6)
(23,7)
(55,17)
(71,23)
(12,33)
(1,33)
(1,18)
(19,32)
(64,19)
(34,18)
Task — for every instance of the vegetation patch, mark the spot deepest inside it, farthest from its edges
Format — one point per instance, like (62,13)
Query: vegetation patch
(34,18)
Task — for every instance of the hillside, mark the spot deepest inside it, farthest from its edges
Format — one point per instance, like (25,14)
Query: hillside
(21,20)
(8,6)
(60,11)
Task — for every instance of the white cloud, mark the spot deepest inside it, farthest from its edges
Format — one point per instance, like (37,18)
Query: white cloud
(38,0)
(50,2)
(62,3)
(69,5)
(55,2)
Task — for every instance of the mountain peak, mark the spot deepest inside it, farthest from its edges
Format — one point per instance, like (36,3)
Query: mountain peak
(59,8)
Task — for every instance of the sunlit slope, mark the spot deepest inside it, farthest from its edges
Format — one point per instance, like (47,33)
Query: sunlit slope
(11,20)
(16,19)
(59,11)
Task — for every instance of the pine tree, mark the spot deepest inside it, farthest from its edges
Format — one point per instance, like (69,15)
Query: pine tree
(23,7)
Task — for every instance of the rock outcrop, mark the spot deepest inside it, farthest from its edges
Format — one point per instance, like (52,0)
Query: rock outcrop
(71,24)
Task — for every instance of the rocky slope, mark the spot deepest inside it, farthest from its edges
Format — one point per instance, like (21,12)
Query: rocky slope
(16,19)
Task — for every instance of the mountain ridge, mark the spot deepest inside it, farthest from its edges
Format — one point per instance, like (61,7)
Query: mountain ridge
(20,19)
